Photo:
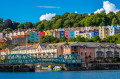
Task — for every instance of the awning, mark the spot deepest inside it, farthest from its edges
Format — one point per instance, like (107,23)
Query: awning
(116,52)
(109,52)
(99,52)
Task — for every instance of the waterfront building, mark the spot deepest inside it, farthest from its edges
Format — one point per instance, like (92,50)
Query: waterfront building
(87,28)
(45,50)
(84,49)
(37,36)
(27,49)
(103,32)
(67,34)
(96,33)
(32,36)
(107,51)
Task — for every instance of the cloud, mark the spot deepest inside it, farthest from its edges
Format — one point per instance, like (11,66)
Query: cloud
(48,7)
(99,10)
(107,7)
(76,12)
(47,16)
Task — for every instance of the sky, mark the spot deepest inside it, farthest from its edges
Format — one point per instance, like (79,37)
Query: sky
(36,10)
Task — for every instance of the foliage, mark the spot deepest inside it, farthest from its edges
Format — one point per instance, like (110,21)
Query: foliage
(15,44)
(4,46)
(28,25)
(49,39)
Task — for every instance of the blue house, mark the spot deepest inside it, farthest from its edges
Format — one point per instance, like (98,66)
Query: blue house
(62,33)
(71,34)
(96,33)
(91,35)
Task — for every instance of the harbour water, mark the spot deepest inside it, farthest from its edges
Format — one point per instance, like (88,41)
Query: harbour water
(102,74)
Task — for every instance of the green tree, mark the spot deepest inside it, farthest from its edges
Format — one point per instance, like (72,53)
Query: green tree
(20,26)
(40,27)
(63,39)
(49,39)
(4,46)
(114,21)
(28,25)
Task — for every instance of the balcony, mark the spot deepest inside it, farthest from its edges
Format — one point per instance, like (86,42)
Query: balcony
(100,56)
(109,56)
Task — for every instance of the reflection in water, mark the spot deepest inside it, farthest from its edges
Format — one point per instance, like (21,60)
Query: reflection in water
(103,74)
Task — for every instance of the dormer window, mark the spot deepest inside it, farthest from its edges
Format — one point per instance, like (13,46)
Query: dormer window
(99,48)
(108,48)
(84,47)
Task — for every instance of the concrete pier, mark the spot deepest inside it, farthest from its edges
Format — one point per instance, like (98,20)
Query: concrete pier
(16,68)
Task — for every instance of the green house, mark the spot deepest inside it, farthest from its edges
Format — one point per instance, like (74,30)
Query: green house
(32,36)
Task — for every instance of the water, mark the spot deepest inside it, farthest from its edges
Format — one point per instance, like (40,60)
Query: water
(105,74)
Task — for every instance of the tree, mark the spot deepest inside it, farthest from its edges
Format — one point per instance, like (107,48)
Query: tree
(8,24)
(96,39)
(28,25)
(20,26)
(1,21)
(4,46)
(114,21)
(15,24)
(49,39)
(40,27)
(58,24)
(80,39)
(67,23)
(63,39)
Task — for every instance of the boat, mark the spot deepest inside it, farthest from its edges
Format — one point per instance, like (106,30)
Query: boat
(57,68)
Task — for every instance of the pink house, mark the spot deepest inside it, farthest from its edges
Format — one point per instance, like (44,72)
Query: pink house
(67,34)
(86,52)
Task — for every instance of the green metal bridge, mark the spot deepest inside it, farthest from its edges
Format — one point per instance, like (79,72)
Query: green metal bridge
(27,59)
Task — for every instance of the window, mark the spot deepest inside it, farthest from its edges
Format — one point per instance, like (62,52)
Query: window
(84,47)
(81,53)
(85,53)
(99,48)
(91,48)
(90,53)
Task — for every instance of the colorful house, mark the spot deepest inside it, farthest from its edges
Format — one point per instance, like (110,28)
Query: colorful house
(71,34)
(32,36)
(96,33)
(103,32)
(91,35)
(77,33)
(37,36)
(61,32)
(67,34)
(47,32)
(42,34)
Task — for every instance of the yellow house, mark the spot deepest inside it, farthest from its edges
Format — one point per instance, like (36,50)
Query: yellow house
(86,34)
(47,32)
(103,32)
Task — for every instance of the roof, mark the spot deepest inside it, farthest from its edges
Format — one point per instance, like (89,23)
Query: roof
(28,47)
(2,41)
(27,33)
(14,37)
(20,36)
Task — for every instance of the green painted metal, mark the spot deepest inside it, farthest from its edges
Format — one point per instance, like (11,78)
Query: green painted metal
(27,59)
